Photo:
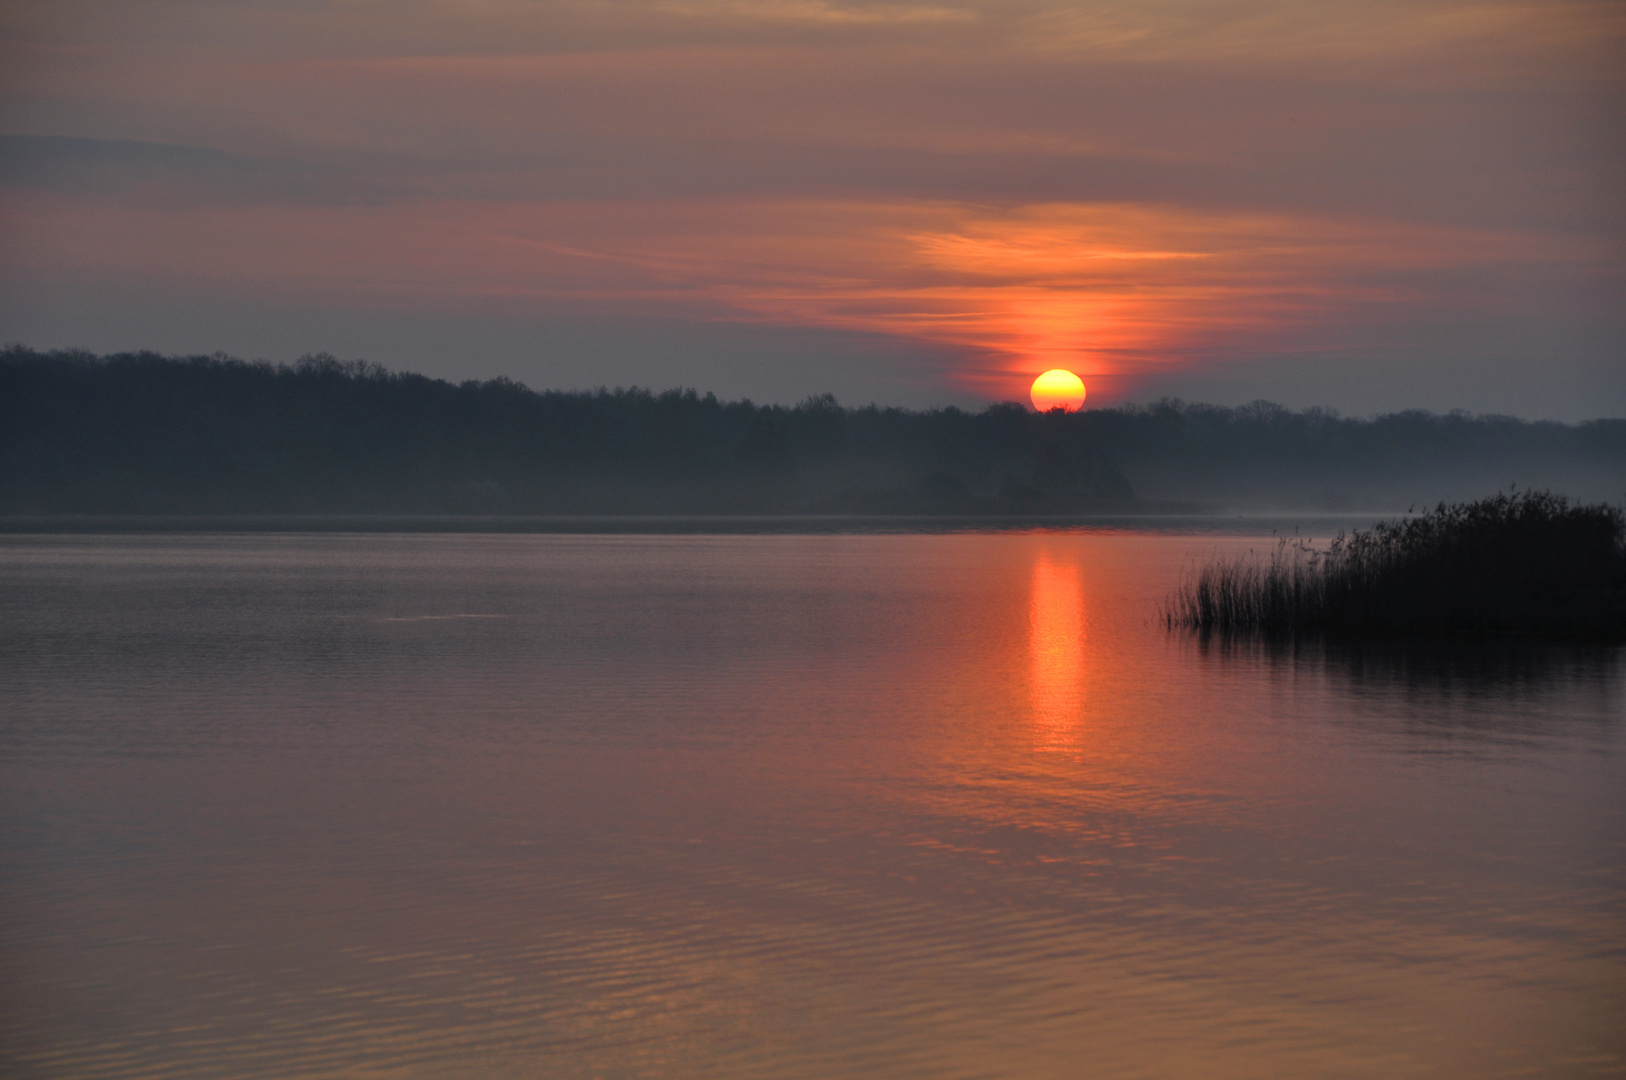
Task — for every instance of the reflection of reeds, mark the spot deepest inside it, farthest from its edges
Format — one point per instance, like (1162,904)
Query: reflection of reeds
(1530,562)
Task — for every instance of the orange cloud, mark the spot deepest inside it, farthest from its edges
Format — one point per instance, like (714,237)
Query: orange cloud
(1119,189)
(1113,292)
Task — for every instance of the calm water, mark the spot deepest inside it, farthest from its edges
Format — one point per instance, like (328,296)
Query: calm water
(778,806)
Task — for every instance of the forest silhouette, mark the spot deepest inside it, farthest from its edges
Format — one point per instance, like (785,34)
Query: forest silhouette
(140,433)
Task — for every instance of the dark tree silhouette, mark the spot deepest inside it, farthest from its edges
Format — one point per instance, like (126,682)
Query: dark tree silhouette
(139,433)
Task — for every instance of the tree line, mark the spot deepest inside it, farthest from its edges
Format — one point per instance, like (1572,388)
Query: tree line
(140,433)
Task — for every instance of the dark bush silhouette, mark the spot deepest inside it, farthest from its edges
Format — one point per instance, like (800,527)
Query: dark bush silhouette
(1513,563)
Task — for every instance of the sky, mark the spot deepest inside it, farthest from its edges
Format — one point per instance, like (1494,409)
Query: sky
(1368,206)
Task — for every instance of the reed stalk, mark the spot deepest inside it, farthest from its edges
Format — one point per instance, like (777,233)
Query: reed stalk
(1528,562)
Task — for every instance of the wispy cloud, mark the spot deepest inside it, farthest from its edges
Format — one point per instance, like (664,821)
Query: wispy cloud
(818,12)
(1118,292)
(1119,187)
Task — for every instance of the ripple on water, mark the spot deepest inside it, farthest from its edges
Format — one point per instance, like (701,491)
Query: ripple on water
(777,806)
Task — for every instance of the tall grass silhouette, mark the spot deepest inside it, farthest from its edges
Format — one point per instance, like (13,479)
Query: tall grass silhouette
(1529,562)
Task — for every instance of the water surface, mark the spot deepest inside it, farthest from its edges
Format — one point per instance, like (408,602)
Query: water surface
(778,806)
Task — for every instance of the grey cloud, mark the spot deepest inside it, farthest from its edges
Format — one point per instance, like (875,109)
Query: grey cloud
(1275,137)
(550,347)
(319,105)
(65,163)
(194,175)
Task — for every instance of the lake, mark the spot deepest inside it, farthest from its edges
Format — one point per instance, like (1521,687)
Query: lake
(884,805)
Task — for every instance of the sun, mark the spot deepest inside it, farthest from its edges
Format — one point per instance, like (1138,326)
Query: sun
(1058,388)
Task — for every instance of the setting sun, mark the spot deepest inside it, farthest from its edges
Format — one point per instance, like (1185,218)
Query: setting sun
(1058,388)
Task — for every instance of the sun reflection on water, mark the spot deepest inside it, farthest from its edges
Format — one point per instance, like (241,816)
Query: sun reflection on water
(777,807)
(1056,632)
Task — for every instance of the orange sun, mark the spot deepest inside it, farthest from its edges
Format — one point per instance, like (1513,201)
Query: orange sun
(1058,389)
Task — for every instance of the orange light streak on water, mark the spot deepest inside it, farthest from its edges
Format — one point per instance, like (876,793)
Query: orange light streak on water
(1056,641)
(777,807)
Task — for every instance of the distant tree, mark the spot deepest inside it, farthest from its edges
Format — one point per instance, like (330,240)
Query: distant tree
(143,433)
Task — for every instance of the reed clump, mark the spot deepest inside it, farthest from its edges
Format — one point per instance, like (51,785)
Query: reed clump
(1529,562)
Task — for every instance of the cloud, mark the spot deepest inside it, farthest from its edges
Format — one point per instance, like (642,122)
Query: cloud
(817,12)
(170,173)
(1117,292)
(1357,31)
(1131,188)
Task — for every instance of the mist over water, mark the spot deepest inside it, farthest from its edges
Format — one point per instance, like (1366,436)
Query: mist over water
(779,806)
